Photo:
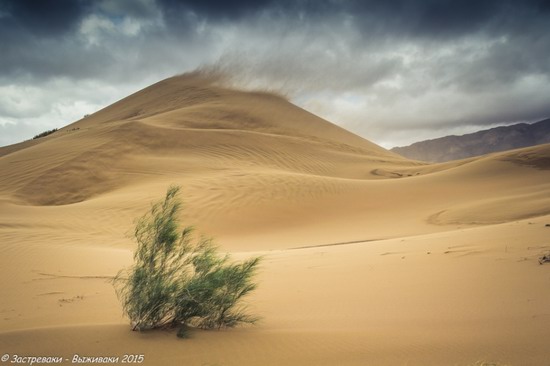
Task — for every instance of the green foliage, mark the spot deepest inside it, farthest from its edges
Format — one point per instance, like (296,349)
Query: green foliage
(45,133)
(180,280)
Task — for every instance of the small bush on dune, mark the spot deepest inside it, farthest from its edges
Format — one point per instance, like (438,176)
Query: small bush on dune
(44,134)
(178,280)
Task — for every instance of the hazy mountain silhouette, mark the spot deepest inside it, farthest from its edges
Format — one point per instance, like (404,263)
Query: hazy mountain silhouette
(479,143)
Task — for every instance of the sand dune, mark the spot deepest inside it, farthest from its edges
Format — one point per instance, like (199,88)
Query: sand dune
(370,258)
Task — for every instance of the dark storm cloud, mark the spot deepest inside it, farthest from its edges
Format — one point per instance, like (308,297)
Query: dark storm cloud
(42,18)
(429,18)
(373,65)
(432,19)
(520,26)
(214,9)
(446,18)
(31,29)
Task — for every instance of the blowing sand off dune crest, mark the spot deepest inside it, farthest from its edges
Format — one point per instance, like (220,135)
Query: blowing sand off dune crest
(369,258)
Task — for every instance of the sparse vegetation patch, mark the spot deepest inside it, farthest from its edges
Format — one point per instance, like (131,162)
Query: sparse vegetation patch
(44,134)
(179,280)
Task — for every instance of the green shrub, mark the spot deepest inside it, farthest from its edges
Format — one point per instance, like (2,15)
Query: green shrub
(178,280)
(45,133)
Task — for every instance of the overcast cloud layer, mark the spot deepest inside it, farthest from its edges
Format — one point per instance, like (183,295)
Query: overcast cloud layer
(393,71)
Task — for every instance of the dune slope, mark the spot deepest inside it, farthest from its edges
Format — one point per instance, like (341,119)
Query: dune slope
(370,258)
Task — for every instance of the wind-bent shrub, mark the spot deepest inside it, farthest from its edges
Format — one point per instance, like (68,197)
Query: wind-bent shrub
(180,280)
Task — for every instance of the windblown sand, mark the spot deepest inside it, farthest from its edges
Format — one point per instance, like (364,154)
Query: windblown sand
(369,258)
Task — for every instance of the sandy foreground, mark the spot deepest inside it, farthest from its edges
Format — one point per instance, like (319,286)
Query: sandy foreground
(369,258)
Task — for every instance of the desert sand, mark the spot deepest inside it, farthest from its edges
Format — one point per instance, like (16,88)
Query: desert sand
(369,258)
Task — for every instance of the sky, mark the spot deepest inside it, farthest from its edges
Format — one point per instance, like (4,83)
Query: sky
(392,71)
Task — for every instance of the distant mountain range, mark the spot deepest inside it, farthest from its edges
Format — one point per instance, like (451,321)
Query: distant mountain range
(479,143)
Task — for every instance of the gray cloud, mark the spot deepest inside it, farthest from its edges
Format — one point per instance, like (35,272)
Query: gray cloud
(393,71)
(42,18)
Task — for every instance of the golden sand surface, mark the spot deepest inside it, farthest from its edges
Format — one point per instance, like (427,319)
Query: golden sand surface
(369,258)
